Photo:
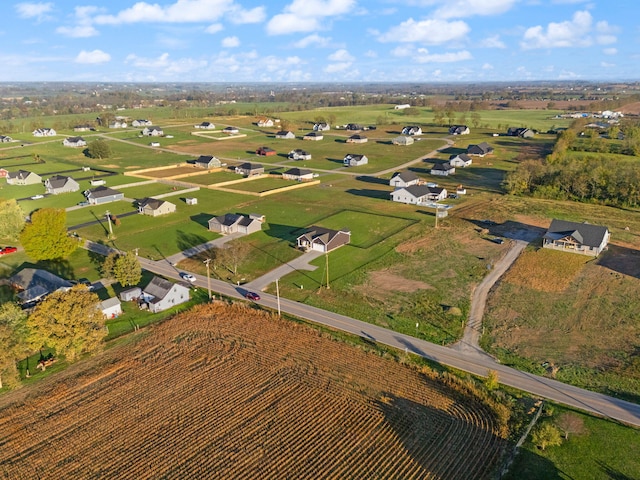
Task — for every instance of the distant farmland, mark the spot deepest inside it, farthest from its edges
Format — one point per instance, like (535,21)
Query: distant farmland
(230,392)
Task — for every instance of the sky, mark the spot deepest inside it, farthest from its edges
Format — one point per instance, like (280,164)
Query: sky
(320,40)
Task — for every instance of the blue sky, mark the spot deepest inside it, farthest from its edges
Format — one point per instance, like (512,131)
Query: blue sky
(320,41)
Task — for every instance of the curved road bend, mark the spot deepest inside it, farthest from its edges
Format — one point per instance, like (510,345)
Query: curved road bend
(593,402)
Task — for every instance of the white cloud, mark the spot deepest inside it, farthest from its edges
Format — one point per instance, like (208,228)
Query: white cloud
(313,40)
(166,67)
(371,54)
(79,31)
(610,51)
(240,16)
(34,10)
(470,8)
(214,28)
(93,57)
(429,32)
(492,42)
(306,16)
(422,55)
(341,56)
(231,42)
(570,33)
(607,65)
(487,66)
(337,67)
(182,11)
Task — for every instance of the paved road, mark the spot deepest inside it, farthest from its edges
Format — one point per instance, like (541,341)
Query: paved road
(479,365)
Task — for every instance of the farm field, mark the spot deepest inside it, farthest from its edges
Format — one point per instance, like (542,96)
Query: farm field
(232,392)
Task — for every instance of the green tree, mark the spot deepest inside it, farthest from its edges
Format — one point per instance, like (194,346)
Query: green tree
(475,119)
(125,268)
(99,148)
(69,322)
(13,342)
(45,237)
(492,381)
(11,219)
(546,435)
(411,111)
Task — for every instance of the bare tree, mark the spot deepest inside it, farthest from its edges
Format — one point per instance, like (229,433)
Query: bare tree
(570,423)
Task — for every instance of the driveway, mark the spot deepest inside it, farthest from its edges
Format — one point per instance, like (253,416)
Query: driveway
(300,263)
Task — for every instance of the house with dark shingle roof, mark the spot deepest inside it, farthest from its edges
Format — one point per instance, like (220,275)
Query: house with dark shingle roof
(412,130)
(403,179)
(417,194)
(355,160)
(323,239)
(61,184)
(236,223)
(298,174)
(286,134)
(74,142)
(207,161)
(313,136)
(443,169)
(35,284)
(23,177)
(480,150)
(103,194)
(299,154)
(459,130)
(155,207)
(249,169)
(574,237)
(161,294)
(462,160)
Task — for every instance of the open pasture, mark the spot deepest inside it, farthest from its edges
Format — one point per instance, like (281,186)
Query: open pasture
(210,393)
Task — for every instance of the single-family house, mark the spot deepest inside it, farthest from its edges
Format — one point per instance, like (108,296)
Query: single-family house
(322,239)
(23,177)
(102,194)
(236,223)
(353,126)
(141,122)
(130,294)
(248,169)
(266,152)
(155,207)
(403,179)
(152,132)
(285,134)
(520,132)
(480,150)
(61,184)
(298,174)
(44,132)
(299,154)
(443,169)
(74,142)
(118,124)
(207,161)
(459,130)
(412,130)
(231,130)
(313,136)
(402,140)
(5,139)
(418,194)
(35,284)
(83,128)
(574,237)
(357,139)
(264,122)
(321,127)
(205,126)
(161,294)
(461,160)
(354,160)
(111,307)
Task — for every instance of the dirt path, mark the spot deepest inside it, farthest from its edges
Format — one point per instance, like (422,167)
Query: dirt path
(469,343)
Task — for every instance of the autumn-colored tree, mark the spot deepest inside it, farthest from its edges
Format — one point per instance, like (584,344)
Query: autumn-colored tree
(233,254)
(11,219)
(45,237)
(570,423)
(546,435)
(492,381)
(13,342)
(125,268)
(69,322)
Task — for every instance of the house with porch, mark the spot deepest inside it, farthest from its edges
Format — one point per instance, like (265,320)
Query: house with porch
(321,127)
(323,240)
(354,160)
(461,160)
(74,142)
(412,130)
(161,294)
(574,237)
(480,150)
(102,194)
(155,207)
(299,154)
(236,223)
(34,284)
(44,132)
(418,194)
(152,132)
(205,126)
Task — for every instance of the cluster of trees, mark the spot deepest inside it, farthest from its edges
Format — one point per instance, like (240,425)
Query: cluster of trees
(125,268)
(45,236)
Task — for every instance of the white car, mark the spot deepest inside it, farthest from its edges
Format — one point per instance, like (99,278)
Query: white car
(37,197)
(188,277)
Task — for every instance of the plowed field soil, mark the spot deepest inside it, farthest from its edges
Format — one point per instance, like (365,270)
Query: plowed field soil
(230,392)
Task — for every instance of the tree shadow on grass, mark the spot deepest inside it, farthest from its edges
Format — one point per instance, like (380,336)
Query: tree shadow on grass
(189,240)
(621,260)
(613,473)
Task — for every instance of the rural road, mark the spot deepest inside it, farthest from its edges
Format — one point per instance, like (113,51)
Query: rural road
(593,402)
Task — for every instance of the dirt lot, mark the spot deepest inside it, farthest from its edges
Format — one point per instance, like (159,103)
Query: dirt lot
(230,392)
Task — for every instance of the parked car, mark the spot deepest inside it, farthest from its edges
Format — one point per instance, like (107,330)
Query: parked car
(188,277)
(37,197)
(7,250)
(453,195)
(252,296)
(499,241)
(83,204)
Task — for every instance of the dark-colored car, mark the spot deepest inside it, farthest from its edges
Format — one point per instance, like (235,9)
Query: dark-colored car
(7,250)
(252,296)
(499,241)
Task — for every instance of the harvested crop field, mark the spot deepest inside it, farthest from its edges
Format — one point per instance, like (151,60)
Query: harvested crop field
(230,392)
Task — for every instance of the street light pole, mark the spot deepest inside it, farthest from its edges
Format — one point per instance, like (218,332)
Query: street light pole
(108,214)
(207,262)
(278,295)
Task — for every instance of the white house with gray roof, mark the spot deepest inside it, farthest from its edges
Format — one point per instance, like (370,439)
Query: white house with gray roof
(236,223)
(23,177)
(61,184)
(418,194)
(404,179)
(161,294)
(574,237)
(102,194)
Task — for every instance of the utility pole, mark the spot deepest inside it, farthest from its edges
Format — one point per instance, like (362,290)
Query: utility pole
(108,214)
(437,207)
(207,262)
(278,295)
(326,256)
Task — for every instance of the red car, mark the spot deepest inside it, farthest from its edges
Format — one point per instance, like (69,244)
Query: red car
(6,250)
(252,296)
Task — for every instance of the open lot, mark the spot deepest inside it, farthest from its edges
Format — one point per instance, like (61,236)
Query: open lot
(210,393)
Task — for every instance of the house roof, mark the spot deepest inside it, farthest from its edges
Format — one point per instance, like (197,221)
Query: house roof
(406,176)
(585,233)
(250,166)
(299,172)
(102,191)
(75,139)
(462,156)
(314,134)
(354,156)
(109,302)
(458,128)
(322,235)
(205,159)
(423,190)
(158,287)
(282,133)
(29,278)
(58,181)
(152,203)
(445,167)
(20,174)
